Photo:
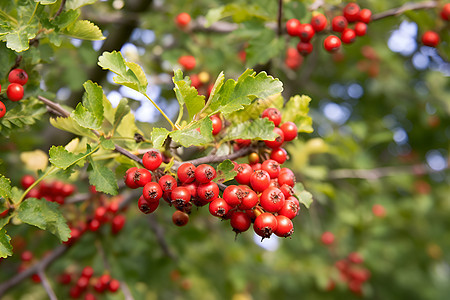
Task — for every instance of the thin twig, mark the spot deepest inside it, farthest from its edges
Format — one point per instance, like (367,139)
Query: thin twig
(61,8)
(55,107)
(46,285)
(405,7)
(279,17)
(217,159)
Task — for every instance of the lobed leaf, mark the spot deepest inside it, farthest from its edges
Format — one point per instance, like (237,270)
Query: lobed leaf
(85,118)
(61,158)
(85,30)
(93,99)
(159,135)
(103,178)
(70,125)
(187,94)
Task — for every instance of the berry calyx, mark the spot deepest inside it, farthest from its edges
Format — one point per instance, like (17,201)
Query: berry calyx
(208,192)
(14,92)
(183,19)
(219,207)
(272,199)
(152,192)
(292,27)
(167,183)
(233,195)
(430,38)
(147,207)
(18,76)
(265,224)
(142,177)
(152,159)
(332,43)
(180,197)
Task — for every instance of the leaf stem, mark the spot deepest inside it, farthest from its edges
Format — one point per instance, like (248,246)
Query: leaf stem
(49,171)
(174,126)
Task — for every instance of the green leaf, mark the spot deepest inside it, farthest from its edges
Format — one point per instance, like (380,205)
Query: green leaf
(255,109)
(187,94)
(239,12)
(121,111)
(18,40)
(159,135)
(263,47)
(85,30)
(296,110)
(66,18)
(5,220)
(303,196)
(234,95)
(93,99)
(44,215)
(206,128)
(225,172)
(5,187)
(45,2)
(107,144)
(216,87)
(129,75)
(103,178)
(74,4)
(190,137)
(5,246)
(61,158)
(85,118)
(259,129)
(70,125)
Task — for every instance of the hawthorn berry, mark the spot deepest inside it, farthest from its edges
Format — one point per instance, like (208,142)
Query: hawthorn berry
(216,124)
(265,224)
(260,180)
(195,81)
(287,190)
(272,199)
(360,29)
(89,296)
(253,158)
(271,167)
(117,223)
(152,159)
(87,272)
(18,76)
(430,38)
(183,19)
(355,258)
(14,92)
(2,108)
(26,181)
(75,292)
(445,12)
(243,142)
(256,167)
(249,200)
(167,183)
(180,197)
(82,283)
(339,23)
(100,214)
(65,278)
(304,48)
(240,221)
(180,218)
(94,225)
(113,285)
(129,178)
(289,130)
(365,15)
(26,256)
(187,62)
(286,176)
(292,27)
(205,173)
(278,141)
(379,210)
(351,12)
(318,22)
(289,209)
(306,32)
(147,207)
(233,195)
(327,238)
(207,192)
(67,189)
(142,177)
(186,173)
(75,234)
(244,171)
(348,36)
(293,58)
(279,155)
(219,207)
(152,192)
(285,227)
(332,43)
(273,114)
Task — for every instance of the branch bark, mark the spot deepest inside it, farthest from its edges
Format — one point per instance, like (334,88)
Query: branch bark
(46,285)
(404,8)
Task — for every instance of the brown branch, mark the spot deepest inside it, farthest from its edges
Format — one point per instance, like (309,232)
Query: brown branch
(54,106)
(61,8)
(218,159)
(405,7)
(46,284)
(279,18)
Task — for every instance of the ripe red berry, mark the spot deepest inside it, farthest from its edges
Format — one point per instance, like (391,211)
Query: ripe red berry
(75,234)
(192,187)
(129,178)
(186,173)
(256,167)
(26,256)
(271,167)
(279,155)
(152,192)
(183,19)
(355,258)
(142,177)
(292,27)
(113,285)
(430,38)
(180,197)
(293,59)
(167,183)
(289,130)
(365,15)
(27,181)
(287,190)
(87,272)
(180,218)
(75,292)
(351,12)
(207,192)
(379,210)
(306,32)
(216,124)
(348,36)
(195,81)
(147,207)
(278,141)
(205,173)
(2,108)
(82,282)
(152,159)
(318,22)
(100,214)
(240,221)
(260,180)
(332,43)
(286,176)
(187,62)
(249,200)
(65,278)
(117,223)
(304,48)
(339,23)
(67,189)
(327,238)
(233,195)
(265,224)
(244,171)
(272,199)
(285,227)
(14,92)
(273,114)
(360,29)
(18,76)
(219,207)
(89,296)
(290,209)
(94,225)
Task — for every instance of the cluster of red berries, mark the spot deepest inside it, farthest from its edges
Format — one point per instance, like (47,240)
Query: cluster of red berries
(54,191)
(264,196)
(431,38)
(351,273)
(350,14)
(17,79)
(87,284)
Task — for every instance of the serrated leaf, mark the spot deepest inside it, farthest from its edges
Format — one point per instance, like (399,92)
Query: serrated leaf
(5,187)
(44,215)
(5,245)
(18,40)
(85,118)
(187,94)
(234,95)
(225,172)
(107,144)
(26,113)
(216,87)
(296,110)
(66,18)
(121,111)
(239,12)
(85,30)
(159,135)
(103,178)
(303,196)
(45,2)
(93,99)
(263,47)
(206,128)
(259,129)
(70,125)
(61,158)
(74,4)
(5,220)
(255,109)
(190,137)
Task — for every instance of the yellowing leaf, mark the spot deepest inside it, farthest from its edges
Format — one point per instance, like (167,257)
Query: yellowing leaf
(34,160)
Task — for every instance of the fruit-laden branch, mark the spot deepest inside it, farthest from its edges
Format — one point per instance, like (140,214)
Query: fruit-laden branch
(373,174)
(405,7)
(46,284)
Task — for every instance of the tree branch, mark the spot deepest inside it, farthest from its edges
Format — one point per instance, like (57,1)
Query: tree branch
(46,285)
(279,18)
(404,8)
(217,159)
(61,8)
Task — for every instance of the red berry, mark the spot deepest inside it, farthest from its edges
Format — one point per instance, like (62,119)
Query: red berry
(271,167)
(279,155)
(360,29)
(113,206)
(100,214)
(319,22)
(339,23)
(445,12)
(207,192)
(2,108)
(180,218)
(186,173)
(83,282)
(290,209)
(18,76)
(243,142)
(14,92)
(147,207)
(216,124)
(195,81)
(287,190)
(27,181)
(379,210)
(187,62)
(365,15)
(290,131)
(249,200)
(129,178)
(219,207)
(75,234)
(430,38)
(94,225)
(75,292)
(351,12)
(292,27)
(183,19)
(67,189)
(256,167)
(142,177)
(205,173)
(306,32)
(233,195)
(113,285)
(304,48)
(272,199)
(65,278)
(260,180)
(285,227)
(293,58)
(167,183)
(244,171)
(152,159)
(152,192)
(192,187)
(180,197)
(348,36)
(355,258)
(26,256)
(273,114)
(89,296)
(332,43)
(265,224)
(327,238)
(87,272)
(240,221)
(117,223)
(278,141)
